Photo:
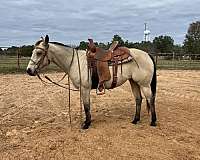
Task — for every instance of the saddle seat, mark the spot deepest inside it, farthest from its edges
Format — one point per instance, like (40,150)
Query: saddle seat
(113,54)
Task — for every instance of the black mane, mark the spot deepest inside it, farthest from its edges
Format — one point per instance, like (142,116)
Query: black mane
(38,42)
(56,43)
(60,44)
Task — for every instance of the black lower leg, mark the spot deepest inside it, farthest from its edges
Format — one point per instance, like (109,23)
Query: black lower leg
(153,112)
(138,109)
(87,116)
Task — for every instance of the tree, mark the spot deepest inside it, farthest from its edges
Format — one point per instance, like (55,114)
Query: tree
(146,46)
(83,45)
(1,50)
(119,39)
(102,45)
(26,50)
(163,44)
(12,50)
(192,39)
(178,49)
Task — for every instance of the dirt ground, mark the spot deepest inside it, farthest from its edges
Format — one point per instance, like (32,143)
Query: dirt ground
(34,121)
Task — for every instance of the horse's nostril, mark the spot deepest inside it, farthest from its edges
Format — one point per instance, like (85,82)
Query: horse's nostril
(29,71)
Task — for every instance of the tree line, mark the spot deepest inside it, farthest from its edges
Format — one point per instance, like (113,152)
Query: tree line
(160,44)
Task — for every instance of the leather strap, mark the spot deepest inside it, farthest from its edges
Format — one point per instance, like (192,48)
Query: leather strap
(114,67)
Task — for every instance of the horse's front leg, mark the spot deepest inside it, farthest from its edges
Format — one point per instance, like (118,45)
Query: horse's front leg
(85,93)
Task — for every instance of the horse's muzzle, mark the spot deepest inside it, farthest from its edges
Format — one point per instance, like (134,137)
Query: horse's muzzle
(30,72)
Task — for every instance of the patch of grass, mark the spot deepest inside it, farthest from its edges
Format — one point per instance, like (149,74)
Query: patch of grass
(175,64)
(8,64)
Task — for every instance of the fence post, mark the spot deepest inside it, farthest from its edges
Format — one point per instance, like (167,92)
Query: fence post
(156,59)
(18,58)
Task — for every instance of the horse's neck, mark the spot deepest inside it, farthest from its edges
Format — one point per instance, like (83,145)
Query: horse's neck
(79,64)
(61,56)
(67,60)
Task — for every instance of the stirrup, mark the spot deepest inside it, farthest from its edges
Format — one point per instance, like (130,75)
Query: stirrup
(98,92)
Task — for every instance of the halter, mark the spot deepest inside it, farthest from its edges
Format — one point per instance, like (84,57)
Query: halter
(45,51)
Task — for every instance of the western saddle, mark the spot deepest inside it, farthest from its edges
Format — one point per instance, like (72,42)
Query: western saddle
(99,61)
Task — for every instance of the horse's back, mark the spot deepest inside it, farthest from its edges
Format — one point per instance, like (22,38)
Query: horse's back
(142,58)
(145,67)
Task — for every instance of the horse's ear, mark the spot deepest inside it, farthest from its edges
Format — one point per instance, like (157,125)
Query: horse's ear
(46,40)
(42,38)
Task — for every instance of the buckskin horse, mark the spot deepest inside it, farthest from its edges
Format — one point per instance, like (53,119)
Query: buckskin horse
(141,73)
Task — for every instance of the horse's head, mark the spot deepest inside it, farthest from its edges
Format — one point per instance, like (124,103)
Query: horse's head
(39,58)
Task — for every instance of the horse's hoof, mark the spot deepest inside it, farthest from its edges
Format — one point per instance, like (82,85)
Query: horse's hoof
(153,124)
(86,125)
(134,121)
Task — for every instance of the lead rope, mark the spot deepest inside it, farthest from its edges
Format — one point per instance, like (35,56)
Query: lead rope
(69,104)
(69,89)
(60,85)
(79,69)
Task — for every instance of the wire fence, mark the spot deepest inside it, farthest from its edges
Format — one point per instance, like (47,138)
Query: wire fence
(177,61)
(18,64)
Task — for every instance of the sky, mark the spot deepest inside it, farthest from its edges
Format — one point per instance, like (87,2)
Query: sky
(23,22)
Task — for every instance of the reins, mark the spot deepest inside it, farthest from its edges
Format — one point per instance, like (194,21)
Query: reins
(56,83)
(79,69)
(62,86)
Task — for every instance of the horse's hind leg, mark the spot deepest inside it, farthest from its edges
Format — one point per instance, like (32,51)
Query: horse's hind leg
(150,103)
(138,99)
(86,102)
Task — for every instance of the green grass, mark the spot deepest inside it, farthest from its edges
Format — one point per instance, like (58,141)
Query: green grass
(8,64)
(175,64)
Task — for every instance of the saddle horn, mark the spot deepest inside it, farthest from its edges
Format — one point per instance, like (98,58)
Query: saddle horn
(91,46)
(90,40)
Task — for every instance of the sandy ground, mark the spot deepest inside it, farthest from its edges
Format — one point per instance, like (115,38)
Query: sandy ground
(34,121)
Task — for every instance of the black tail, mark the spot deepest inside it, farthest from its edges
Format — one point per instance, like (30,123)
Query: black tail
(153,83)
(154,79)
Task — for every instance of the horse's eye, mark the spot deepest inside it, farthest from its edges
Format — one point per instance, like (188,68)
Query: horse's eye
(39,53)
